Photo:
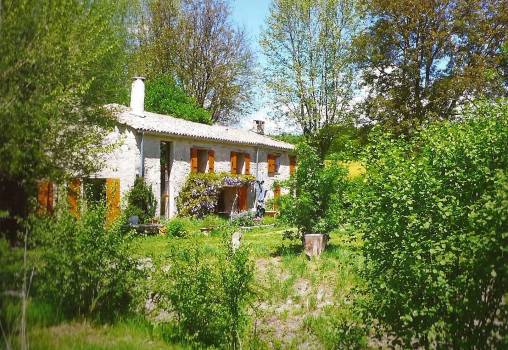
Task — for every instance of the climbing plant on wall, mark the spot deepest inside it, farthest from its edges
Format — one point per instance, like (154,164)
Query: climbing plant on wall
(200,193)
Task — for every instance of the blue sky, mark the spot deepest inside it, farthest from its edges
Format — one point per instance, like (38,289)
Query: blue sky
(251,15)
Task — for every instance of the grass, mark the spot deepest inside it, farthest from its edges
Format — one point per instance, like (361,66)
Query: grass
(299,302)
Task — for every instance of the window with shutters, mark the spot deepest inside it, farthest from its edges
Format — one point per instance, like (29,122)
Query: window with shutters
(292,165)
(240,163)
(202,160)
(273,164)
(45,197)
(94,191)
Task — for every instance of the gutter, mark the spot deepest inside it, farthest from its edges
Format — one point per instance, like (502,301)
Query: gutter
(142,154)
(257,162)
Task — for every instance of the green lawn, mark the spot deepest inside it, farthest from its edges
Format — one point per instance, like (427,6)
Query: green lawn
(298,301)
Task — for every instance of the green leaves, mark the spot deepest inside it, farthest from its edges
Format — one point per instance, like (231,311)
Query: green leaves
(209,293)
(318,188)
(164,96)
(434,213)
(60,63)
(85,269)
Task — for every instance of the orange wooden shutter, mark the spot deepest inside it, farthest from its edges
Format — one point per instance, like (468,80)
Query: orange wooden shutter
(73,193)
(247,163)
(276,197)
(292,165)
(211,161)
(242,198)
(112,200)
(194,160)
(44,197)
(233,163)
(271,164)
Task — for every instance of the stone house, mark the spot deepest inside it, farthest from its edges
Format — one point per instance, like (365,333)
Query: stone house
(165,150)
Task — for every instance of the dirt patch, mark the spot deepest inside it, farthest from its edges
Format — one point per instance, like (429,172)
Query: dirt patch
(302,287)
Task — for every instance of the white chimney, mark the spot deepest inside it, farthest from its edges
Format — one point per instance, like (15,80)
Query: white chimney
(138,96)
(259,126)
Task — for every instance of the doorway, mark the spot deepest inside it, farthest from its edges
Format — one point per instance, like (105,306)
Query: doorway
(166,164)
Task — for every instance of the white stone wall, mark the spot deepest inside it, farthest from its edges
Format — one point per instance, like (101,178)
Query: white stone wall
(124,162)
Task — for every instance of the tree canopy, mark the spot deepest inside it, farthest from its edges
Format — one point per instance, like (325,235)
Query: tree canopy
(310,74)
(422,60)
(60,63)
(164,96)
(195,42)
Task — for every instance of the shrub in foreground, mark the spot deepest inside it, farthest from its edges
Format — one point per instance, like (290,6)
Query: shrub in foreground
(140,201)
(86,269)
(318,189)
(177,227)
(434,214)
(209,294)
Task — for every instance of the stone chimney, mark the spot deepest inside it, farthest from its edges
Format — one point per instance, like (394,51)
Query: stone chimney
(259,126)
(138,96)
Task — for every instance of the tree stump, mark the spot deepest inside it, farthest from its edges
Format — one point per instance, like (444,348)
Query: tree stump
(315,244)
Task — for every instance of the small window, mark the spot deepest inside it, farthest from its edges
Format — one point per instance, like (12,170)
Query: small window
(273,164)
(95,191)
(202,160)
(292,165)
(240,163)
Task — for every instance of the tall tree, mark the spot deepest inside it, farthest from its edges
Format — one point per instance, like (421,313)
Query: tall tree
(309,69)
(60,62)
(423,59)
(196,42)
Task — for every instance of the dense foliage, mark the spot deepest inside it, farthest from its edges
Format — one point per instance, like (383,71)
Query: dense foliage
(164,96)
(60,62)
(209,296)
(422,60)
(141,201)
(318,190)
(434,213)
(85,267)
(177,228)
(200,194)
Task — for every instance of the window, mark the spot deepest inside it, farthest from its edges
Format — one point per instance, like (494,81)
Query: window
(95,191)
(273,164)
(240,163)
(202,160)
(292,165)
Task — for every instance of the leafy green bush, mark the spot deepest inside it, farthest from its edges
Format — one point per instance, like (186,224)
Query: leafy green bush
(434,212)
(209,294)
(86,268)
(163,95)
(318,189)
(11,279)
(141,201)
(177,228)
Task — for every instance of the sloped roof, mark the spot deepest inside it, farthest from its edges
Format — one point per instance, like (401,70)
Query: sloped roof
(171,126)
